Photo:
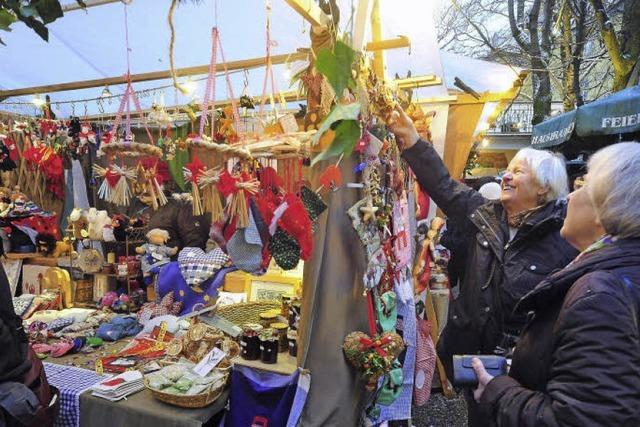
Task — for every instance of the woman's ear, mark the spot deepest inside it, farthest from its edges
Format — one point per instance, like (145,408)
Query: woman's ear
(542,194)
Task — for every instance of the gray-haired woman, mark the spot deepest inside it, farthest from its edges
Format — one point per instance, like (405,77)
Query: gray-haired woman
(510,245)
(578,359)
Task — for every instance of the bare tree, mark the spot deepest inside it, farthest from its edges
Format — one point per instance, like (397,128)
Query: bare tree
(623,48)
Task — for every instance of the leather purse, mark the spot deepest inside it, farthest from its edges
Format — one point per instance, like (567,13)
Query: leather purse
(465,376)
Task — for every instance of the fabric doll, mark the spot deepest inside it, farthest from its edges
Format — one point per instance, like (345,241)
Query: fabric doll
(155,253)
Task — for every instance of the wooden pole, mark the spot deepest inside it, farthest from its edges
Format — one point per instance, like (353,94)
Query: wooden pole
(88,3)
(310,12)
(376,35)
(155,75)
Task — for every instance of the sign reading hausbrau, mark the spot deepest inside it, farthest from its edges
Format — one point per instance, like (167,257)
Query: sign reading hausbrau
(554,137)
(620,121)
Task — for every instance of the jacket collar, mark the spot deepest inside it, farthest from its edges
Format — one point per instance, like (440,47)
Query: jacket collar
(490,219)
(622,253)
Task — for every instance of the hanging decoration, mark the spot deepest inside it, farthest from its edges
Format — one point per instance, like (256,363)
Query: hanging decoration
(192,173)
(115,185)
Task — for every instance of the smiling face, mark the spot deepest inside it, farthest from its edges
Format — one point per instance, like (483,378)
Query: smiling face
(581,226)
(520,189)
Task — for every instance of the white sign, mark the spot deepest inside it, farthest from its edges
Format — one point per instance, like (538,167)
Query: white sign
(209,362)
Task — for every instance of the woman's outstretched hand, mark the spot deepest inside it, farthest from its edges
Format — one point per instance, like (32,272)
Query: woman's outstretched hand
(403,128)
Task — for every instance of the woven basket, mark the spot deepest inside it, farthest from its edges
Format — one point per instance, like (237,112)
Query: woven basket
(192,401)
(246,312)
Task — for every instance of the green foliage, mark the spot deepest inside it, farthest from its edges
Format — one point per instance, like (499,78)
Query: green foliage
(35,14)
(347,135)
(337,65)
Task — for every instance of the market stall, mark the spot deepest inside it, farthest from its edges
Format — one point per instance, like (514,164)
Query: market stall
(234,252)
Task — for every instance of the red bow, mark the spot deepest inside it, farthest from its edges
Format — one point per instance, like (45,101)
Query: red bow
(367,343)
(195,167)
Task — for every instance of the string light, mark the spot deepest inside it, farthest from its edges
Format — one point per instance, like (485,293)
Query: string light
(38,101)
(105,92)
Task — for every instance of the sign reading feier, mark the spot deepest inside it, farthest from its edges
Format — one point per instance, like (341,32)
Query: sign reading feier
(621,121)
(618,113)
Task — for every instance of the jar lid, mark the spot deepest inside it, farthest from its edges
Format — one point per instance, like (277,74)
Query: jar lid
(279,325)
(268,315)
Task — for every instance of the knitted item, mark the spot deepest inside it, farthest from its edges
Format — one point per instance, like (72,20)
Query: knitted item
(285,250)
(425,363)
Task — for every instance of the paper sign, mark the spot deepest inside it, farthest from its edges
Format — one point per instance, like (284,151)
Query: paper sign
(209,362)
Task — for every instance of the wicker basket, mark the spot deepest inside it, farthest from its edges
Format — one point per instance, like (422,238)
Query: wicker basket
(246,312)
(192,401)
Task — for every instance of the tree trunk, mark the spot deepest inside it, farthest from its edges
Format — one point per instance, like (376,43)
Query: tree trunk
(578,50)
(541,80)
(630,32)
(566,56)
(621,61)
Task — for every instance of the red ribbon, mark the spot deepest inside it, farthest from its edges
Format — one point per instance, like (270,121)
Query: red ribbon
(112,178)
(367,343)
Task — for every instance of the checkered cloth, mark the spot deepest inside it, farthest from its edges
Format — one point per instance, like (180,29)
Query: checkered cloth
(197,266)
(71,382)
(400,409)
(58,324)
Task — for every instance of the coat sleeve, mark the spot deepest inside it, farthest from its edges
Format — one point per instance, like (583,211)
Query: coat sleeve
(595,372)
(454,198)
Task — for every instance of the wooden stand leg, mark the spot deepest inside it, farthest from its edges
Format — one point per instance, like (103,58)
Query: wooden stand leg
(447,389)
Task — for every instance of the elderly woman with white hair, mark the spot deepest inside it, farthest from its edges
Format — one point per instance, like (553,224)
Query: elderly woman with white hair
(578,359)
(510,244)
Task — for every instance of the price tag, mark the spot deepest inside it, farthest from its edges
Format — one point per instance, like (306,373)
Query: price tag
(99,367)
(163,331)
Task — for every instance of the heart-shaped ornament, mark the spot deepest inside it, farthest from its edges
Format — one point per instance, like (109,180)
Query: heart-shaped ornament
(372,356)
(197,266)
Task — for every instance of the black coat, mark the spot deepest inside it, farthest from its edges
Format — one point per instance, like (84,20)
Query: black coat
(578,360)
(497,273)
(13,340)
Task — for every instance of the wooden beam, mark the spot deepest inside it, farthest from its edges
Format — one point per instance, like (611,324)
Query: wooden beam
(376,35)
(417,82)
(311,12)
(398,42)
(360,26)
(155,75)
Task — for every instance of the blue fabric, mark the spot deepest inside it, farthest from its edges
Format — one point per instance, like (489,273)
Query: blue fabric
(71,382)
(118,328)
(261,398)
(400,409)
(171,279)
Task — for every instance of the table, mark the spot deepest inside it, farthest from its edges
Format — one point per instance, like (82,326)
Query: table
(142,409)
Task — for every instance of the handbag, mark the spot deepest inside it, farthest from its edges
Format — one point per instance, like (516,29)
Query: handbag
(465,376)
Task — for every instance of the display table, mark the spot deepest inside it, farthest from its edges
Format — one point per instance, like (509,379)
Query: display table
(142,409)
(139,409)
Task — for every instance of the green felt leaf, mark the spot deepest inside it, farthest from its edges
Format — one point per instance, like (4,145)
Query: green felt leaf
(336,65)
(347,135)
(339,112)
(6,19)
(49,10)
(176,164)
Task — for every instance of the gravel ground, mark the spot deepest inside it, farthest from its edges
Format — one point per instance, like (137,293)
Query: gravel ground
(441,412)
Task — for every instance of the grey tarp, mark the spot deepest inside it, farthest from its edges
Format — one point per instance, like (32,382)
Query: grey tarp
(333,307)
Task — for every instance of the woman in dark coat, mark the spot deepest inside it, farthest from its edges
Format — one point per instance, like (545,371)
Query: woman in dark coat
(511,244)
(578,360)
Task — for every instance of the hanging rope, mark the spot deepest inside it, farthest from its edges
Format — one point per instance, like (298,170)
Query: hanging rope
(210,90)
(269,69)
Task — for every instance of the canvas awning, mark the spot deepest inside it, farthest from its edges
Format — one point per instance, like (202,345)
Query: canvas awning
(616,114)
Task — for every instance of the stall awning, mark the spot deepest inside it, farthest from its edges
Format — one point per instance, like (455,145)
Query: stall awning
(616,114)
(554,131)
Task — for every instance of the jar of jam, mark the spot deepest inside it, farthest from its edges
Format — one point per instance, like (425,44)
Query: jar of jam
(292,338)
(268,347)
(250,342)
(281,333)
(267,318)
(286,306)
